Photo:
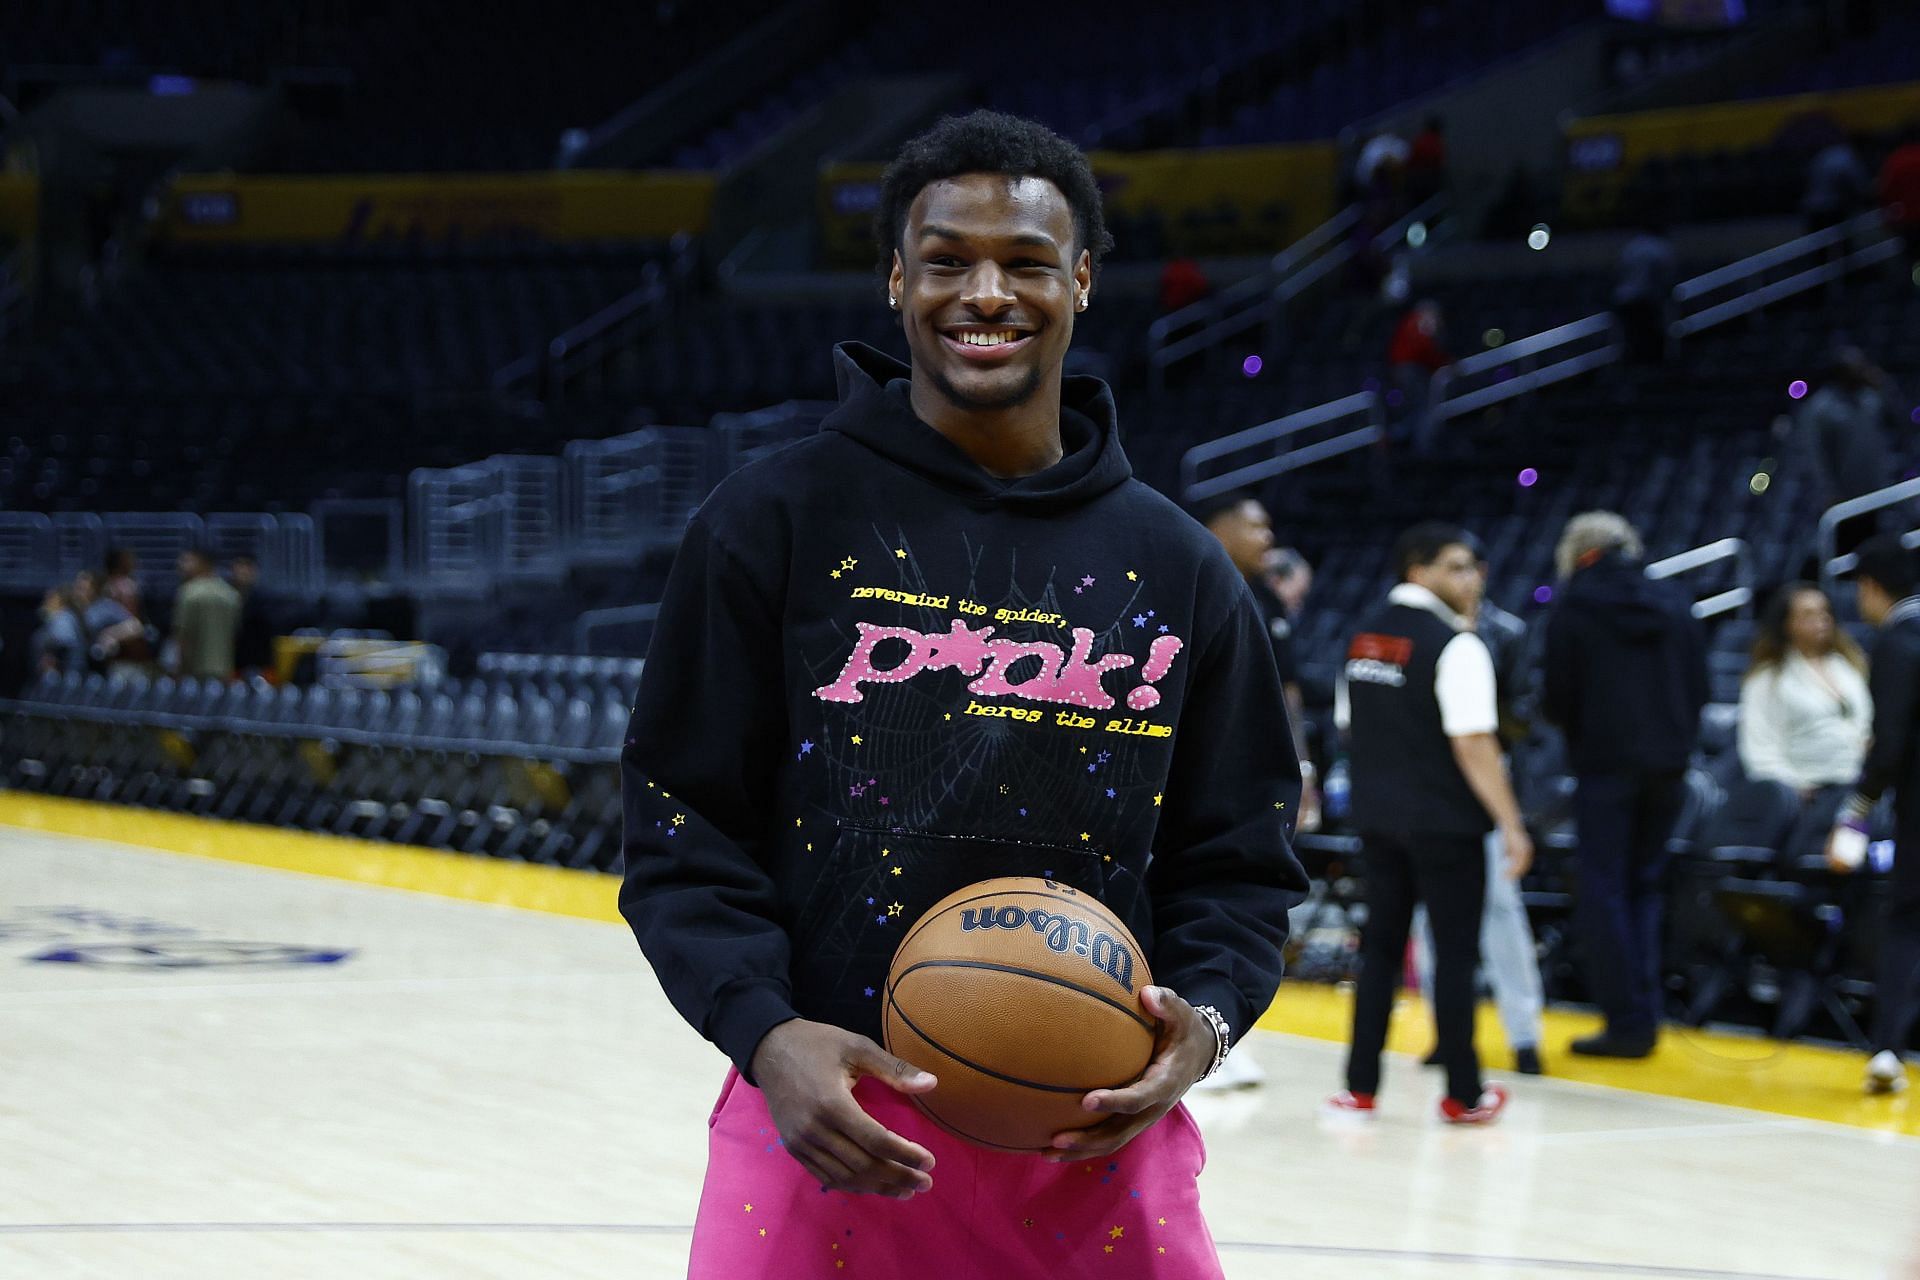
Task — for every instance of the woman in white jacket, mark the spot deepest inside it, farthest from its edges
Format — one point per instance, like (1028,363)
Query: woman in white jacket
(1805,713)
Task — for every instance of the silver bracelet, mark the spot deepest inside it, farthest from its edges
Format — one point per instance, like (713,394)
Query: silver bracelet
(1223,1039)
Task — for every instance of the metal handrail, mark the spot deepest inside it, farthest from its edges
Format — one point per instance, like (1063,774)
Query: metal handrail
(1260,298)
(1448,403)
(1817,246)
(1699,558)
(619,615)
(550,371)
(1276,434)
(1738,598)
(1240,305)
(1827,535)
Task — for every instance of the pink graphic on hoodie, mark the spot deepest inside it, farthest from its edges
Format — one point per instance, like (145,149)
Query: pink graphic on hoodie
(1070,677)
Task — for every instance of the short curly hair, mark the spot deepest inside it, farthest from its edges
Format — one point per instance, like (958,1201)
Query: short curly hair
(990,142)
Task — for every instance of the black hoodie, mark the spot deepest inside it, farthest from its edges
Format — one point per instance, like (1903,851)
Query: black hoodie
(880,674)
(1626,670)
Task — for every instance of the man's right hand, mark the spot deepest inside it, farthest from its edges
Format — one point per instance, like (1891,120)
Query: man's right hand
(807,1071)
(1519,850)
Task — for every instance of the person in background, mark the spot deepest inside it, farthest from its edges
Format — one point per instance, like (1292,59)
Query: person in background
(1507,951)
(1889,588)
(1625,679)
(1289,577)
(59,645)
(1840,428)
(1644,276)
(1378,173)
(1419,340)
(1427,162)
(253,645)
(1838,186)
(206,619)
(1183,282)
(118,643)
(1805,713)
(1415,353)
(1418,700)
(1244,528)
(122,582)
(1899,189)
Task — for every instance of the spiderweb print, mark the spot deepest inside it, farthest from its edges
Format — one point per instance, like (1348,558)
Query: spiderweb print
(920,789)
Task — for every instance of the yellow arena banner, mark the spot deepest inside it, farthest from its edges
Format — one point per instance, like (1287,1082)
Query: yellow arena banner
(584,205)
(1604,151)
(1289,190)
(19,206)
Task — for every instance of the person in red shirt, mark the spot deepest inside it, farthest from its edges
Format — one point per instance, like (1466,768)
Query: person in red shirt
(1417,340)
(1427,162)
(1182,283)
(1899,188)
(1416,352)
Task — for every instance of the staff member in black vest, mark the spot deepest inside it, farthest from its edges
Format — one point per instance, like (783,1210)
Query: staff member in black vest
(1626,677)
(1890,600)
(1417,697)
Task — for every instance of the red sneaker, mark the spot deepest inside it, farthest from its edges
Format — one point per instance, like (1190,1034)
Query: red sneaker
(1493,1100)
(1347,1102)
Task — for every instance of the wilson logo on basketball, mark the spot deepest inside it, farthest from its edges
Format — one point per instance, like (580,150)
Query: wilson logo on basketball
(1062,934)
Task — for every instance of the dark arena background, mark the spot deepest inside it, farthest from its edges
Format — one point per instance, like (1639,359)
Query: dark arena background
(362,365)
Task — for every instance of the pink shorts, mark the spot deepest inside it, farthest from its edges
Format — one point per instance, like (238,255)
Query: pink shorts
(991,1215)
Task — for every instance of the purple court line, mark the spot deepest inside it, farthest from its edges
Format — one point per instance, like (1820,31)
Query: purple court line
(658,1228)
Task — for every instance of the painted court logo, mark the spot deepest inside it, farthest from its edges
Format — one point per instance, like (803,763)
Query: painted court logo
(1062,934)
(189,953)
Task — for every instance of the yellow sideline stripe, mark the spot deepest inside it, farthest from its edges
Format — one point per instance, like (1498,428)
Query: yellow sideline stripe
(587,895)
(1788,1079)
(1803,1081)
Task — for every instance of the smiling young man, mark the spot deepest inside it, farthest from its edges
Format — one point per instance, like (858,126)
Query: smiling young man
(822,749)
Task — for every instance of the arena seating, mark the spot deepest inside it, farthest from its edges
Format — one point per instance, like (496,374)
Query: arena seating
(200,375)
(519,762)
(1882,56)
(475,86)
(1397,65)
(1723,185)
(1153,75)
(220,359)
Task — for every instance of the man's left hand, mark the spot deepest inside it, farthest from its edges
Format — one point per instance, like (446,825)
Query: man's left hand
(1183,1049)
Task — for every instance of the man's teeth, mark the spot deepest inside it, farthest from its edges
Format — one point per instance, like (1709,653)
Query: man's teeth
(987,339)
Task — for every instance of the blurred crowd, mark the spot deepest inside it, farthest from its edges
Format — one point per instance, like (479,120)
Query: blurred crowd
(216,628)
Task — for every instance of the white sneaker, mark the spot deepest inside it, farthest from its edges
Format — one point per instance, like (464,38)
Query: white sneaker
(1239,1071)
(1886,1073)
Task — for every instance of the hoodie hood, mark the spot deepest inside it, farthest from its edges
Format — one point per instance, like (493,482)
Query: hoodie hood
(1623,599)
(876,410)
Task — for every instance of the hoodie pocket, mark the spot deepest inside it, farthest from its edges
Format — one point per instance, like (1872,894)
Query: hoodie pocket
(878,882)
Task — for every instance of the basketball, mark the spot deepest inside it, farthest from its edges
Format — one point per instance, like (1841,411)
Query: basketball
(1021,995)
